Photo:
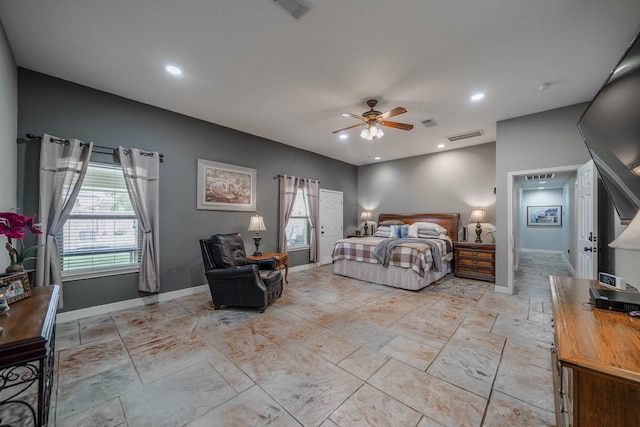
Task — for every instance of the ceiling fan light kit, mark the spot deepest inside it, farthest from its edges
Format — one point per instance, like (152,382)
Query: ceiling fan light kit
(374,119)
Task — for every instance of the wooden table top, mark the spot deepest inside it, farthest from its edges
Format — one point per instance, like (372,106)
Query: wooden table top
(28,326)
(600,340)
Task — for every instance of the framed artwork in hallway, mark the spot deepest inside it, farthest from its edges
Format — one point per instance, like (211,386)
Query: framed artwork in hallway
(544,215)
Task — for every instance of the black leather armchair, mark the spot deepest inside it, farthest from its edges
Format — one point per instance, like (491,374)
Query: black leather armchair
(235,280)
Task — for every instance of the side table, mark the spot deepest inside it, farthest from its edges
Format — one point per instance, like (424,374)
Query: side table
(475,261)
(27,351)
(282,260)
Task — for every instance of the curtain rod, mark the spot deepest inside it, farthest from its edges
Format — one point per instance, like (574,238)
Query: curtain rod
(289,176)
(110,149)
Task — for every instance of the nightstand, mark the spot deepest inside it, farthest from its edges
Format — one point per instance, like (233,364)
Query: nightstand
(475,261)
(282,260)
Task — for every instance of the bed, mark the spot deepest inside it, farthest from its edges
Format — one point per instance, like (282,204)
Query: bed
(411,263)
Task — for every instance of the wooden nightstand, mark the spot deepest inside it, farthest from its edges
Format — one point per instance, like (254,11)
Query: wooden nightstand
(282,260)
(475,261)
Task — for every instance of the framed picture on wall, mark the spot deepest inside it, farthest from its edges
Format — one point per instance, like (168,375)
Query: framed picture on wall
(225,187)
(544,215)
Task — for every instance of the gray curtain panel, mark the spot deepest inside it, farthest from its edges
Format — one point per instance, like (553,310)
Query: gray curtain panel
(142,177)
(63,166)
(288,192)
(311,190)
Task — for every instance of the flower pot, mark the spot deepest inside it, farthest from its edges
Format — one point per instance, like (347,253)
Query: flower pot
(15,268)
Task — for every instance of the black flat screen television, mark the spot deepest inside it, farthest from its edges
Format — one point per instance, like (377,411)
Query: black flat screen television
(610,127)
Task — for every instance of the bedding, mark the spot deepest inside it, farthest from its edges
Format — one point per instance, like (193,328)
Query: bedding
(408,263)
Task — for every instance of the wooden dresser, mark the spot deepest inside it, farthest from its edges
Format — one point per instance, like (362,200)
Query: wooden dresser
(596,359)
(475,260)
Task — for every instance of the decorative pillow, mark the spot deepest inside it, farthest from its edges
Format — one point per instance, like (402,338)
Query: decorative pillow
(392,222)
(399,231)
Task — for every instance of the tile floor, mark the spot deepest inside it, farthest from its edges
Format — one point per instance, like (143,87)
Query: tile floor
(331,352)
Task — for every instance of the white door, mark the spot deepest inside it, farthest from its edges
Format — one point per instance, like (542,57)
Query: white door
(587,248)
(330,222)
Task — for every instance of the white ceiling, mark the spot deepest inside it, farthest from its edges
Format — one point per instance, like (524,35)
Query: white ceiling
(251,66)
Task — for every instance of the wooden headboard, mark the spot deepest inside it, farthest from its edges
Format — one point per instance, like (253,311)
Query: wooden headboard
(450,221)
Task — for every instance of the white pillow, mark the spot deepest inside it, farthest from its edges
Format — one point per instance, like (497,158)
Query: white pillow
(381,233)
(430,226)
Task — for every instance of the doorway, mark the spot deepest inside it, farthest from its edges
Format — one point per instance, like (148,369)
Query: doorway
(516,215)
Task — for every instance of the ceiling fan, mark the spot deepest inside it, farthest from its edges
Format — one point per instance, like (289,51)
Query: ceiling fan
(373,118)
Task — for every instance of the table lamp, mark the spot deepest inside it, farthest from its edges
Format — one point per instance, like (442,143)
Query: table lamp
(365,216)
(257,224)
(477,215)
(630,237)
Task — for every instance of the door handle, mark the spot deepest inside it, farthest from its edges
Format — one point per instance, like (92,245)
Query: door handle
(590,238)
(588,249)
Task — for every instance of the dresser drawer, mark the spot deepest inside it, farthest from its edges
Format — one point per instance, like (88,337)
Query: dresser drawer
(474,253)
(471,269)
(475,262)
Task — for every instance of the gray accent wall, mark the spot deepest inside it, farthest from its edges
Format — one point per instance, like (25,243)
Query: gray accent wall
(8,129)
(538,141)
(449,181)
(60,108)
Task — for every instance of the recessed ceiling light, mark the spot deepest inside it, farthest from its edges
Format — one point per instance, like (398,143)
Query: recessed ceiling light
(440,145)
(344,136)
(540,188)
(477,96)
(171,69)
(377,158)
(542,182)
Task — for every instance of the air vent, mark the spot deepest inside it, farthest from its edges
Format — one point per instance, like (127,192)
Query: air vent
(539,176)
(465,135)
(296,8)
(429,123)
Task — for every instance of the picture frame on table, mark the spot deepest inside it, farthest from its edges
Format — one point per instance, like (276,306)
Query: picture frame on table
(15,287)
(225,187)
(550,215)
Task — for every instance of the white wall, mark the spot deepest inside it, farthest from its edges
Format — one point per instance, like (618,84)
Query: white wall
(8,131)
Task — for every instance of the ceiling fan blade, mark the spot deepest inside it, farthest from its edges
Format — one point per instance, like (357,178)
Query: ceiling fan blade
(394,112)
(403,126)
(350,127)
(355,116)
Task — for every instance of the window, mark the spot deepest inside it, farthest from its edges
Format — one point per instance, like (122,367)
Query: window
(102,234)
(298,227)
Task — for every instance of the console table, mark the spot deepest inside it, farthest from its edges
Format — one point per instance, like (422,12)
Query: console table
(596,359)
(27,352)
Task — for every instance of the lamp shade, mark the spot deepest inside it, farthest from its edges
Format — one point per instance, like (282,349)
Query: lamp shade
(630,237)
(365,216)
(256,223)
(477,215)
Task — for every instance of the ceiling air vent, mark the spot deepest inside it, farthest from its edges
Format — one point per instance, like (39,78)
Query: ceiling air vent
(429,123)
(296,8)
(465,135)
(538,177)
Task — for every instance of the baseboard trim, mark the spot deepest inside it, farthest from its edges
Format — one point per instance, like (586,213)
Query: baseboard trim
(69,316)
